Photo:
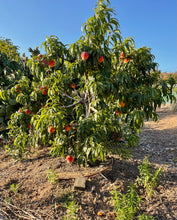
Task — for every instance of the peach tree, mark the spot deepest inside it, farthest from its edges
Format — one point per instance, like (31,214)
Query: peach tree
(89,98)
(8,75)
(12,68)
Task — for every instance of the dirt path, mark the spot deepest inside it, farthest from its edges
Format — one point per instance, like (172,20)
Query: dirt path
(36,198)
(159,142)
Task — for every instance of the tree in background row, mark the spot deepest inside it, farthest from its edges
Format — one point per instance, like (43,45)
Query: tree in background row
(12,68)
(166,75)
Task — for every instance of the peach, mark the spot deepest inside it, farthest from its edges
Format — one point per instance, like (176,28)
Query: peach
(70,159)
(51,129)
(51,63)
(122,56)
(84,55)
(126,60)
(101,59)
(122,104)
(27,111)
(67,128)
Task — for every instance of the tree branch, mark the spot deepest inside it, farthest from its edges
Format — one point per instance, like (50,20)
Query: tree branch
(68,96)
(93,109)
(69,106)
(77,93)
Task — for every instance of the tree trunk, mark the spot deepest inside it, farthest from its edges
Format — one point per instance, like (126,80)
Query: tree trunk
(173,106)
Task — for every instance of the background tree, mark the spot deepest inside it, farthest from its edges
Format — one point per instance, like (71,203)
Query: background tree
(7,47)
(12,67)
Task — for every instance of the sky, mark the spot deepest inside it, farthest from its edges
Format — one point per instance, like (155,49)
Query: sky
(151,23)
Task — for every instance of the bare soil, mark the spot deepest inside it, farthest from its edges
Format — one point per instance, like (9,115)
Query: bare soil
(37,198)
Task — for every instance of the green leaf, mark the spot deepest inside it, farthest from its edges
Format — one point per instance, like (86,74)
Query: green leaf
(1,119)
(102,155)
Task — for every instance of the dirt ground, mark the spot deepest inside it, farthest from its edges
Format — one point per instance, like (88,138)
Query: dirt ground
(37,198)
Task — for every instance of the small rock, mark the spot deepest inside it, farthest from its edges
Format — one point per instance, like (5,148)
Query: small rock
(93,189)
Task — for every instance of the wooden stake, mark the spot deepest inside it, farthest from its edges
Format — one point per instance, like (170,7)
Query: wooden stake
(80,183)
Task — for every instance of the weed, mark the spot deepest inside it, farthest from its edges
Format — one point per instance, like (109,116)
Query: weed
(148,178)
(67,198)
(126,205)
(71,211)
(145,217)
(52,175)
(175,160)
(8,200)
(14,188)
